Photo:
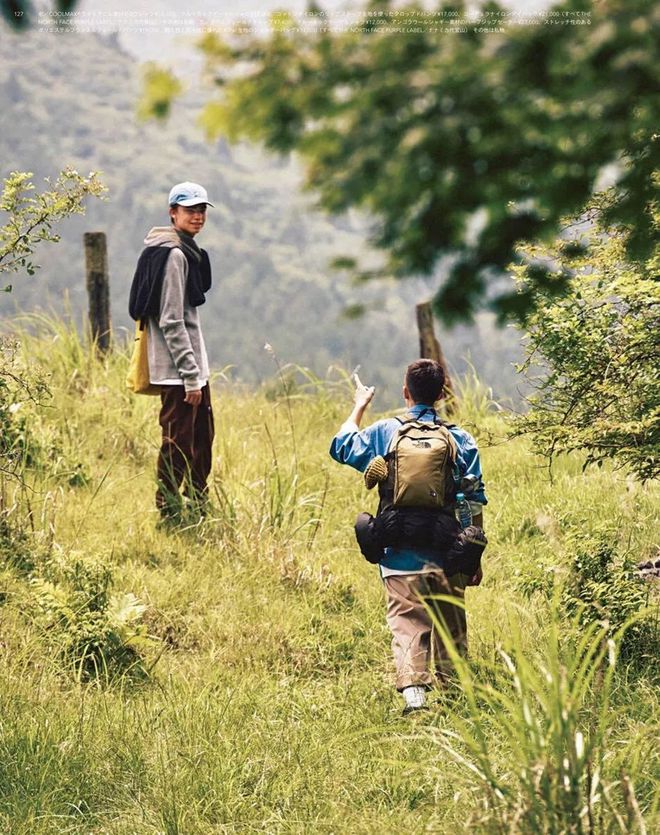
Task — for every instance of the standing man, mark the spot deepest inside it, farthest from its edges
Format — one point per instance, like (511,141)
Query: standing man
(414,575)
(171,279)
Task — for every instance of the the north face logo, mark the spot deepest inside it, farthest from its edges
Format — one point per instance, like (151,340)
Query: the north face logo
(421,444)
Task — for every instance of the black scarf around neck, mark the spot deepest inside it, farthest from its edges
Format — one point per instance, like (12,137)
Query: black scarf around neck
(189,246)
(144,299)
(199,269)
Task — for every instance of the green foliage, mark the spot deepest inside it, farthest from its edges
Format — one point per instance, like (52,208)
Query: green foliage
(549,712)
(602,586)
(20,384)
(598,349)
(160,87)
(16,550)
(269,704)
(25,444)
(31,217)
(99,635)
(599,584)
(460,145)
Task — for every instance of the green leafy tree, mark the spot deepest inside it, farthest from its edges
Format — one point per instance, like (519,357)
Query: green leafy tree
(32,215)
(598,348)
(30,221)
(159,88)
(459,146)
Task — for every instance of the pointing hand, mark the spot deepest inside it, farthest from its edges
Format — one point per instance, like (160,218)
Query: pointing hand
(363,394)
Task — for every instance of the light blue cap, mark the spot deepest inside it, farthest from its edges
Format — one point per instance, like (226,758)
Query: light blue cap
(188,194)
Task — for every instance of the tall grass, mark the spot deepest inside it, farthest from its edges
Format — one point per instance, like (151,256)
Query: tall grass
(548,711)
(266,701)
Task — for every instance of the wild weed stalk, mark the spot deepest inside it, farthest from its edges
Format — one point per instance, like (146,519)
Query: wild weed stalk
(535,740)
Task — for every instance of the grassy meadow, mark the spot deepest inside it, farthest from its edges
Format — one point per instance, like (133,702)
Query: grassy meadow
(234,675)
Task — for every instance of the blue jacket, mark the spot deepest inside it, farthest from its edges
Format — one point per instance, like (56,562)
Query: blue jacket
(358,447)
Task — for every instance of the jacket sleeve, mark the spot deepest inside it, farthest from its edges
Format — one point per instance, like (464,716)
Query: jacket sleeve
(357,447)
(172,323)
(469,464)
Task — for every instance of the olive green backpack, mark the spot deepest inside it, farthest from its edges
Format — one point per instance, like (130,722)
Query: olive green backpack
(421,463)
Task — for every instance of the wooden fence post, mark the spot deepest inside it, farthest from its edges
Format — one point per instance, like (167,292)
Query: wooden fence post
(429,347)
(98,289)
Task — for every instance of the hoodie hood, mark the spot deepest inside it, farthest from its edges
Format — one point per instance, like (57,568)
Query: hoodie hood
(162,236)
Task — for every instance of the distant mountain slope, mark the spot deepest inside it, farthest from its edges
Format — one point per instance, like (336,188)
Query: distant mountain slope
(70,99)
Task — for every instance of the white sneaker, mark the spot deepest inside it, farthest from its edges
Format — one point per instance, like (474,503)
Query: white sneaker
(415,698)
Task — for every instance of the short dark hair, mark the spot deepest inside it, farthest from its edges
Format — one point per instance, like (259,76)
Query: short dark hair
(425,380)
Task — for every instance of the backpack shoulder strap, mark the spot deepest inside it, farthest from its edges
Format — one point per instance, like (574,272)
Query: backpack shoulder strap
(409,417)
(402,420)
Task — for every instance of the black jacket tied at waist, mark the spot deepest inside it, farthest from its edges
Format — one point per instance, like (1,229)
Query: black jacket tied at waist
(144,298)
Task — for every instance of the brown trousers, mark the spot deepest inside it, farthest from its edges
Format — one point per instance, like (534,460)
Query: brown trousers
(185,452)
(419,653)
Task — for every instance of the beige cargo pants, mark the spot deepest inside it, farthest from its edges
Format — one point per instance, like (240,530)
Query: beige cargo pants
(419,653)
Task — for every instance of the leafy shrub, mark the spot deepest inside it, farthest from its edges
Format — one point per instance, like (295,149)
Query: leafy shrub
(598,585)
(100,634)
(597,348)
(32,214)
(602,586)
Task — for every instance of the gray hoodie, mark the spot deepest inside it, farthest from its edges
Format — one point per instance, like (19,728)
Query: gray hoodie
(177,354)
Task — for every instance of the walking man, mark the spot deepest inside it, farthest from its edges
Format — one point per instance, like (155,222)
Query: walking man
(418,567)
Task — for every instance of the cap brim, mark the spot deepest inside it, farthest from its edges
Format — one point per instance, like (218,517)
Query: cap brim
(193,201)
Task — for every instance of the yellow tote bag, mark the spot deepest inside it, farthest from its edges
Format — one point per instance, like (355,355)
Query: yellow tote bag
(137,379)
